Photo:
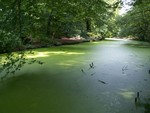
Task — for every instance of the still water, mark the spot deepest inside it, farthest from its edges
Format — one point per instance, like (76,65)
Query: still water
(95,77)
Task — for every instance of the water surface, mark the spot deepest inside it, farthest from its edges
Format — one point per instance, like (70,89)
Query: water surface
(67,84)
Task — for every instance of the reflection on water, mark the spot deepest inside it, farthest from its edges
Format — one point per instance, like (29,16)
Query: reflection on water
(102,77)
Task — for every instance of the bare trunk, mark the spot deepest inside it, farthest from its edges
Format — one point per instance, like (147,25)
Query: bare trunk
(88,25)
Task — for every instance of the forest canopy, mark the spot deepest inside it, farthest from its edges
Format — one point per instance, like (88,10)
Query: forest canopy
(28,24)
(136,22)
(44,21)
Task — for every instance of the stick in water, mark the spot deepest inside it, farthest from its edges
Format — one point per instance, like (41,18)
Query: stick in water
(102,82)
(83,71)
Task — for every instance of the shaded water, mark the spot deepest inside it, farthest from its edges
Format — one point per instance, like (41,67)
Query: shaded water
(67,84)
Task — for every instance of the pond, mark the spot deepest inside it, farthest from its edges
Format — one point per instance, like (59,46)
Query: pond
(94,77)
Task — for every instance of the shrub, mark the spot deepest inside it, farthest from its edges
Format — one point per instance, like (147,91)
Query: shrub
(9,42)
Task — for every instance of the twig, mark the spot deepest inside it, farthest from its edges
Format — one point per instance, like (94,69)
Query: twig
(83,71)
(102,82)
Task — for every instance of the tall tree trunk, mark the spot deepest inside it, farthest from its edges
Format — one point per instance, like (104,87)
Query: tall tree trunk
(144,26)
(19,18)
(48,32)
(88,25)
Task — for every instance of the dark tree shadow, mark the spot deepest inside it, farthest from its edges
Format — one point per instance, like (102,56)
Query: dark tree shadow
(144,104)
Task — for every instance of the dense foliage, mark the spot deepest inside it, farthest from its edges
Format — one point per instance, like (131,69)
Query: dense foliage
(136,23)
(27,23)
(32,21)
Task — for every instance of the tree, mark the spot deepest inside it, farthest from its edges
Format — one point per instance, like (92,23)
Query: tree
(14,25)
(24,21)
(136,22)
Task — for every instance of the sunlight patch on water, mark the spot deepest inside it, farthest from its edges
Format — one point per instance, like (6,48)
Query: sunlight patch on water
(74,53)
(47,54)
(127,94)
(69,63)
(65,64)
(40,54)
